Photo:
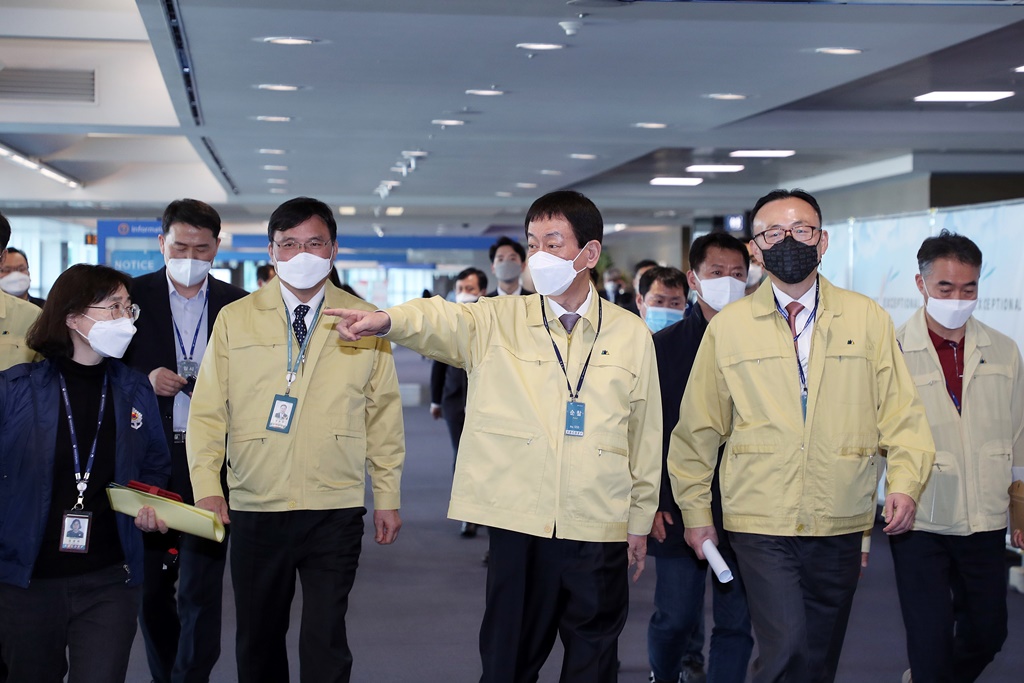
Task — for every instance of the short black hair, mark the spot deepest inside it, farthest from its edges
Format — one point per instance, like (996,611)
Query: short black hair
(947,245)
(19,252)
(263,272)
(700,246)
(580,212)
(643,263)
(5,232)
(672,278)
(506,242)
(77,288)
(191,212)
(299,210)
(481,277)
(776,195)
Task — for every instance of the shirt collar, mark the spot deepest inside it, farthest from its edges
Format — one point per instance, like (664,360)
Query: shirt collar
(502,292)
(174,292)
(582,311)
(291,301)
(807,300)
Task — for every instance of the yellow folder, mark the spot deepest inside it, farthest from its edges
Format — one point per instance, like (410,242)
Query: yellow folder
(176,515)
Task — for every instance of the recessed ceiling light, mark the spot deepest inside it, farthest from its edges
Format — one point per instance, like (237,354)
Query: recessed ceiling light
(391,184)
(964,96)
(272,167)
(399,169)
(277,181)
(1020,69)
(347,210)
(650,126)
(763,153)
(583,157)
(277,190)
(268,150)
(274,119)
(485,93)
(394,211)
(550,171)
(290,40)
(278,87)
(418,153)
(714,168)
(725,96)
(539,46)
(619,227)
(526,186)
(503,194)
(677,182)
(448,122)
(839,51)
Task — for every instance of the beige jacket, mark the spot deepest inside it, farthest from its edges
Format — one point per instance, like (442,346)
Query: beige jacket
(16,316)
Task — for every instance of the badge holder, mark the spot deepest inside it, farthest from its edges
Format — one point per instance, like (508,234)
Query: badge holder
(76,527)
(281,413)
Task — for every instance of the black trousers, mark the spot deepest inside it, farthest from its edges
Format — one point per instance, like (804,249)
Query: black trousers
(89,619)
(800,591)
(267,550)
(181,601)
(953,597)
(540,587)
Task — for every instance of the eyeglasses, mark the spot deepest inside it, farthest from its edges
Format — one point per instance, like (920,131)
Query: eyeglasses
(801,233)
(121,311)
(291,246)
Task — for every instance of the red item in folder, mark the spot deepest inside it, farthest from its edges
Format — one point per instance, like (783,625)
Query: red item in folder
(154,490)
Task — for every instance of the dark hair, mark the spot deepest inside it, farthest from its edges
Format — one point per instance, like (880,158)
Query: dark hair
(506,242)
(263,272)
(644,263)
(300,210)
(700,246)
(947,245)
(191,212)
(580,212)
(672,278)
(776,195)
(5,232)
(481,277)
(77,288)
(19,252)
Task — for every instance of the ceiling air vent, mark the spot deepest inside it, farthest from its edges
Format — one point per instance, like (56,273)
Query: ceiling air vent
(47,85)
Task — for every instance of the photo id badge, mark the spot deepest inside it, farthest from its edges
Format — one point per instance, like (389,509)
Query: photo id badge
(281,412)
(74,531)
(574,414)
(188,368)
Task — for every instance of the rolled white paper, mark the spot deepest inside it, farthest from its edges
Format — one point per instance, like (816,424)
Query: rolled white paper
(718,565)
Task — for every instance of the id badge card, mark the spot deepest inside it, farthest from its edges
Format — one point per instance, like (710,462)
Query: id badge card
(281,413)
(188,368)
(74,531)
(574,416)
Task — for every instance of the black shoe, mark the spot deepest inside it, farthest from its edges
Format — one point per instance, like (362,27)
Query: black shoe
(468,530)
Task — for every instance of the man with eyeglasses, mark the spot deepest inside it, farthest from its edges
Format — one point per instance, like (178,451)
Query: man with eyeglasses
(16,316)
(181,302)
(304,416)
(806,384)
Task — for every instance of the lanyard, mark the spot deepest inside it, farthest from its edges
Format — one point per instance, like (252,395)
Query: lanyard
(294,369)
(82,480)
(191,354)
(796,339)
(558,355)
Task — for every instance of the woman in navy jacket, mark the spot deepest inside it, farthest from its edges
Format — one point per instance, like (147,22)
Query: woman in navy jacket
(71,567)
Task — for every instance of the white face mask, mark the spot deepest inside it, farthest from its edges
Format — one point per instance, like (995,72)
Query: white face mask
(466,298)
(304,270)
(950,313)
(508,271)
(719,292)
(110,338)
(16,283)
(188,272)
(552,275)
(754,275)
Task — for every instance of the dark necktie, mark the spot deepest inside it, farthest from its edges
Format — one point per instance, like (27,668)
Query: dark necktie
(569,321)
(299,322)
(793,308)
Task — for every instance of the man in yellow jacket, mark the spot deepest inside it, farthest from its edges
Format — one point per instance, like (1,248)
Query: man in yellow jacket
(807,384)
(304,416)
(560,456)
(950,570)
(16,316)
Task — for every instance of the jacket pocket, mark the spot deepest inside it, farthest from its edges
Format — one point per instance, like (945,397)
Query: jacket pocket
(854,480)
(600,481)
(753,479)
(942,503)
(250,458)
(994,477)
(502,466)
(342,461)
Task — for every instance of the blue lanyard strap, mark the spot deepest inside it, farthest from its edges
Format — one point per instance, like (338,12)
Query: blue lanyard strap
(294,369)
(558,355)
(796,339)
(192,353)
(82,479)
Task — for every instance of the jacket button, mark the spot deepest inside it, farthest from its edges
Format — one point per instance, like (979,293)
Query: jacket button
(547,529)
(799,527)
(291,504)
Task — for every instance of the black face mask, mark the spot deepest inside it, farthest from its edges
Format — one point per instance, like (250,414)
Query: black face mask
(790,261)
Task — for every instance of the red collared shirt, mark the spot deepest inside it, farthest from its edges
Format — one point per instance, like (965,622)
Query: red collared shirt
(951,358)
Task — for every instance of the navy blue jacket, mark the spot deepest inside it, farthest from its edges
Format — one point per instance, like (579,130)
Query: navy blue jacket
(29,410)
